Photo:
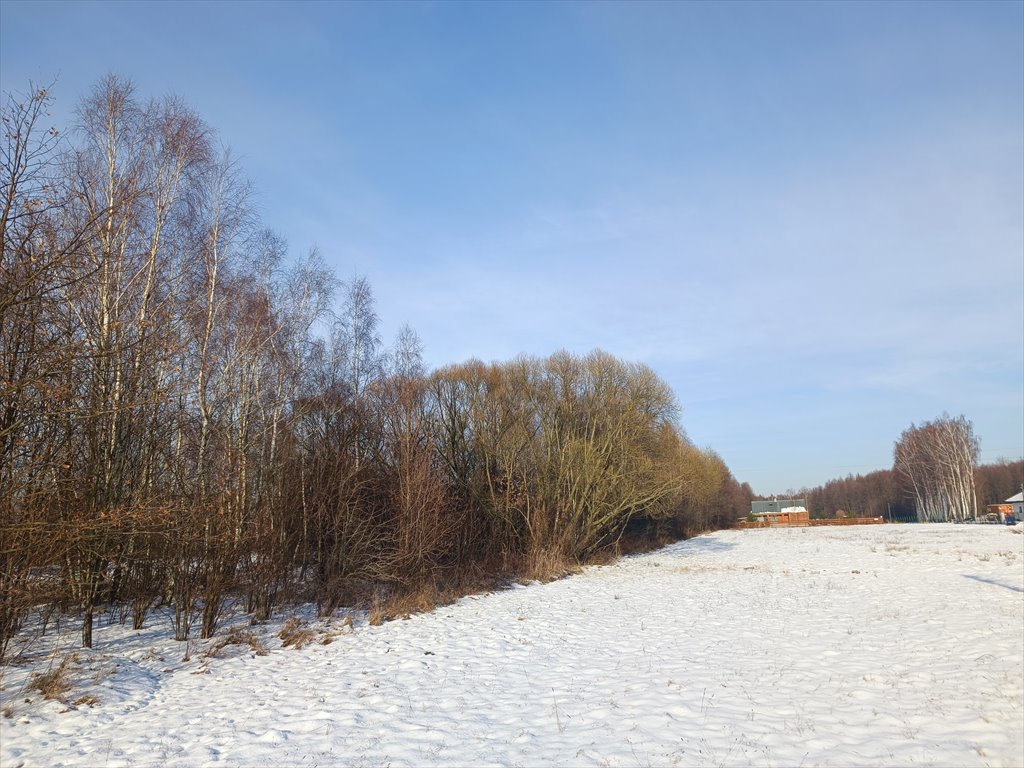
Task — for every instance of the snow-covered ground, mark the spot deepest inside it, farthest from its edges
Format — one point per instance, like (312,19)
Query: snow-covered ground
(874,645)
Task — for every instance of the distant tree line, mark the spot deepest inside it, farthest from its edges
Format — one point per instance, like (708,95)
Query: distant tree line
(876,494)
(188,417)
(995,483)
(934,478)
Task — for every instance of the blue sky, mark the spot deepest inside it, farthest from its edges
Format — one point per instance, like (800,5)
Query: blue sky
(807,217)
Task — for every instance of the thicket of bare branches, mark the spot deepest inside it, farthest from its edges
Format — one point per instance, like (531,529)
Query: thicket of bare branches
(185,419)
(937,461)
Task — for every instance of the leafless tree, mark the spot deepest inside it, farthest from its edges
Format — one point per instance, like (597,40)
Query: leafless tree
(184,420)
(937,461)
(31,270)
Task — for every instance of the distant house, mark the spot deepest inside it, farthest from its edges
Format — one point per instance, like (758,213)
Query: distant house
(1010,510)
(779,513)
(775,505)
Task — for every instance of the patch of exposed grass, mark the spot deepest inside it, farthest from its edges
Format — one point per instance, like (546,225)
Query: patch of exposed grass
(546,565)
(55,682)
(238,636)
(710,568)
(296,633)
(404,603)
(377,613)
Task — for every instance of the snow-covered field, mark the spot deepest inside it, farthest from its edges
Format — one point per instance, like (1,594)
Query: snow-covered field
(874,645)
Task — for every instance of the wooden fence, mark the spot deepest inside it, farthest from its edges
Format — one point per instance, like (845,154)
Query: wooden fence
(813,522)
(849,521)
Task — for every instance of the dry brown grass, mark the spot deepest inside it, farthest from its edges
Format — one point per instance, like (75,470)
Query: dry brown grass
(296,633)
(546,565)
(390,602)
(605,556)
(401,605)
(55,682)
(238,636)
(711,568)
(329,634)
(377,614)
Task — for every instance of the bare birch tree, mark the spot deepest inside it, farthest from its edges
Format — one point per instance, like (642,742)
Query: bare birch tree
(937,461)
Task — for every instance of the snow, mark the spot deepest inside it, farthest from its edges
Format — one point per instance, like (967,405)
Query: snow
(875,645)
(793,509)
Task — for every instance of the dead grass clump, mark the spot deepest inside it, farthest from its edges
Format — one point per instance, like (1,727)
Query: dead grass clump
(54,683)
(377,614)
(88,700)
(328,635)
(404,603)
(605,556)
(238,636)
(421,600)
(547,565)
(714,568)
(296,633)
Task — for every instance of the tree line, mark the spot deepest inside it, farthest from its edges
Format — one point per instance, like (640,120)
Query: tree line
(934,478)
(190,417)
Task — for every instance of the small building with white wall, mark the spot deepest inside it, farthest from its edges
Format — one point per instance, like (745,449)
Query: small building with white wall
(1010,511)
(1017,500)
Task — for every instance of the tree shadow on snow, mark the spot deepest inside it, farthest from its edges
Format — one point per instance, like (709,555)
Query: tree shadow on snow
(993,582)
(699,544)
